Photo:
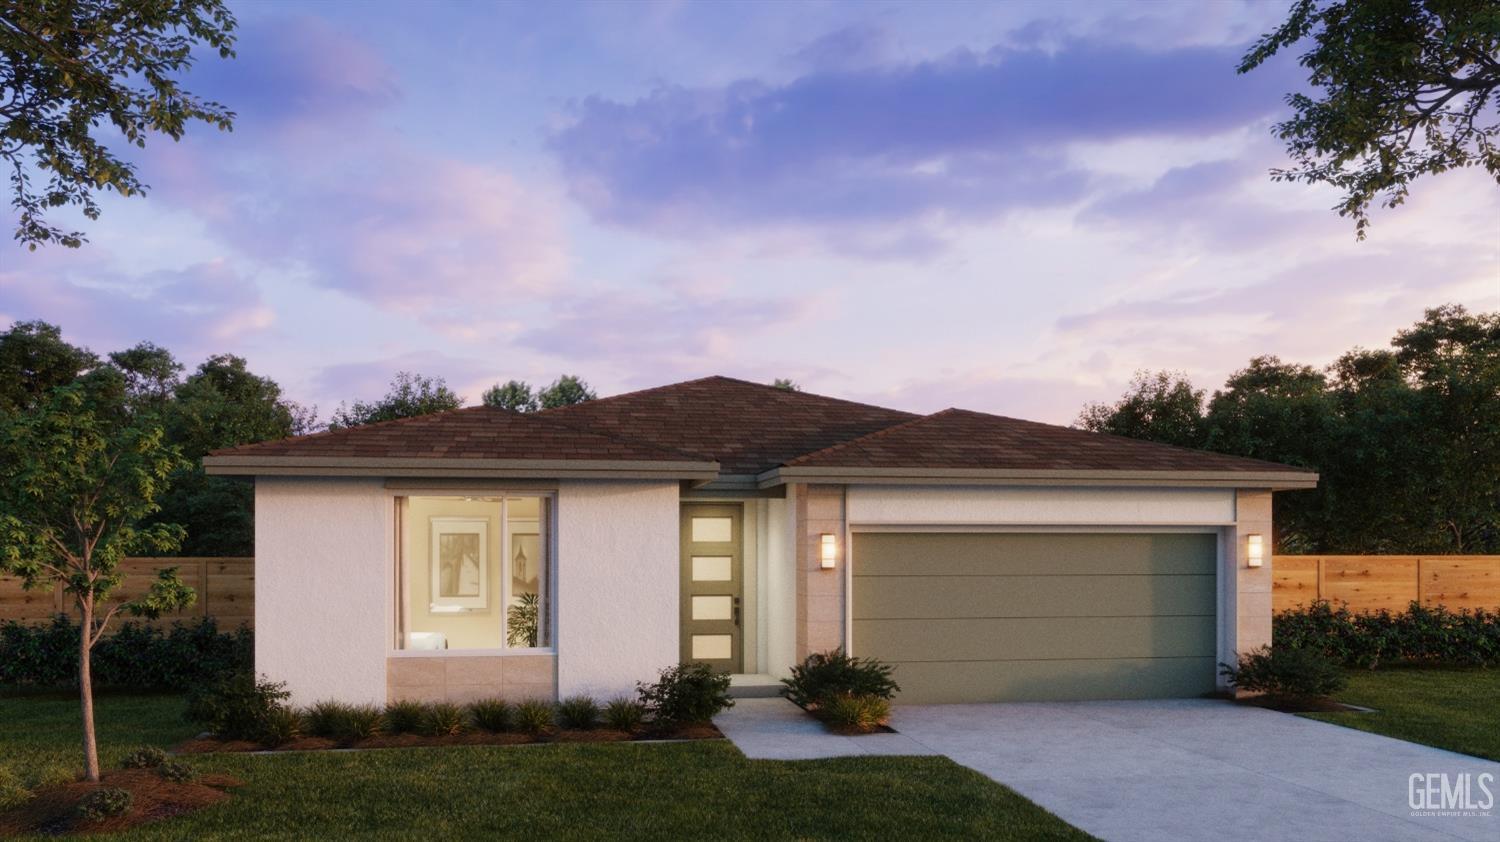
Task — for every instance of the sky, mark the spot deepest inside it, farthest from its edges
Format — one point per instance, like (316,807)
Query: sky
(1009,207)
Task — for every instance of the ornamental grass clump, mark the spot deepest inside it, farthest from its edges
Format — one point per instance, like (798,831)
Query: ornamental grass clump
(854,714)
(824,675)
(579,713)
(622,714)
(534,716)
(445,719)
(491,715)
(405,717)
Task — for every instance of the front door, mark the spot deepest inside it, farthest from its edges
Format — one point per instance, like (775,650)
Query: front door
(712,586)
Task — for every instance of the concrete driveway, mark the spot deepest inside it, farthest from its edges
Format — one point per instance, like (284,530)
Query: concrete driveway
(1197,769)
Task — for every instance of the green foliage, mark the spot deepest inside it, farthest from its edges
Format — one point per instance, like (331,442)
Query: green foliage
(104,803)
(824,675)
(624,714)
(176,771)
(238,707)
(514,395)
(579,713)
(686,694)
(1162,407)
(135,657)
(145,757)
(444,719)
(491,715)
(13,792)
(34,360)
(534,716)
(787,384)
(282,725)
(150,372)
(1285,672)
(1430,635)
(344,722)
(405,717)
(68,69)
(566,390)
(1400,89)
(855,714)
(410,395)
(522,621)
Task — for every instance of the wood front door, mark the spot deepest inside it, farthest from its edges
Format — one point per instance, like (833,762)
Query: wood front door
(712,578)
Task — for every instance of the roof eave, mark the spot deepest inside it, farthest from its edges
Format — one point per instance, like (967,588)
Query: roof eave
(367,466)
(1273,480)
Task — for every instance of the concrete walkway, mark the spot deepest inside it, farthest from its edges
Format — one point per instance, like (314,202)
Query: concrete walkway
(1184,769)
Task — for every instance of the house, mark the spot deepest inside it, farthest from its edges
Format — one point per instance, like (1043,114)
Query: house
(481,552)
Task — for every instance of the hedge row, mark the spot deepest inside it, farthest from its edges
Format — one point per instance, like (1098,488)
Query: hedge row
(1423,634)
(134,657)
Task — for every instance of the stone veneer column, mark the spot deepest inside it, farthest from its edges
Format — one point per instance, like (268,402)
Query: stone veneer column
(820,593)
(1246,624)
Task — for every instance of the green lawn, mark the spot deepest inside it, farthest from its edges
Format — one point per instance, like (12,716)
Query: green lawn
(1455,709)
(570,791)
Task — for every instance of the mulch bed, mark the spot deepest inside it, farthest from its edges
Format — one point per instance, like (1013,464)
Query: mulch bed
(52,810)
(209,745)
(1288,705)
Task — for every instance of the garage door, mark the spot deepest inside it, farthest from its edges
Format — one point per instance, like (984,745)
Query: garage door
(1029,617)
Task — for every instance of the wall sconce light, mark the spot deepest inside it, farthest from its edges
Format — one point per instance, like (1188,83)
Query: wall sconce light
(1254,550)
(828,550)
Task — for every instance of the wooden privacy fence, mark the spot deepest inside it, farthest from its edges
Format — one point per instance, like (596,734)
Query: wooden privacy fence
(225,586)
(1392,582)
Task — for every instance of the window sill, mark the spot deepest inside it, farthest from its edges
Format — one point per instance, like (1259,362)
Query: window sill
(469,653)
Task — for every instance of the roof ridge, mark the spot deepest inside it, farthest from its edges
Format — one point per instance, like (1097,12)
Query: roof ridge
(727,378)
(389,422)
(855,442)
(630,394)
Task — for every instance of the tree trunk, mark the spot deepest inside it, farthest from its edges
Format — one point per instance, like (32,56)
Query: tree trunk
(86,690)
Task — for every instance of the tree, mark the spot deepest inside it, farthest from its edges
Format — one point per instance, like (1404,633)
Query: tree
(1161,406)
(515,395)
(66,68)
(34,359)
(1405,88)
(565,391)
(150,373)
(786,383)
(410,395)
(75,489)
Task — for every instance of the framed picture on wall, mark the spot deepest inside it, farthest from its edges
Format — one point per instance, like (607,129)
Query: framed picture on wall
(460,562)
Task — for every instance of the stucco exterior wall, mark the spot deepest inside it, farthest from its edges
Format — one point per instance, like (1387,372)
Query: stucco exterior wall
(617,584)
(821,618)
(977,505)
(1245,592)
(779,600)
(323,586)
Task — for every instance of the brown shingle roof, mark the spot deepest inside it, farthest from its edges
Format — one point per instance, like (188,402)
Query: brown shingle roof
(960,438)
(748,427)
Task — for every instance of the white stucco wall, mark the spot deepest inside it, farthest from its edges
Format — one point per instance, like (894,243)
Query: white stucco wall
(323,586)
(780,595)
(1025,505)
(617,584)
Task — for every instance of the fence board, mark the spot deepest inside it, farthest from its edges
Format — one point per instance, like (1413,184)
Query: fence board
(225,587)
(1373,583)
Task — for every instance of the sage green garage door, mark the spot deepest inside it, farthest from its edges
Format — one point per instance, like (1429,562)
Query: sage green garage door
(1029,616)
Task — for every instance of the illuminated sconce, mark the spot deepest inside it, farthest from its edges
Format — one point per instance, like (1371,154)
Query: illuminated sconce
(828,550)
(1254,550)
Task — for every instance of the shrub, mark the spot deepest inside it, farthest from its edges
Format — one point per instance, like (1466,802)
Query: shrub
(405,717)
(1423,634)
(176,771)
(282,726)
(534,716)
(444,719)
(1285,672)
(146,757)
(238,707)
(826,674)
(492,715)
(339,721)
(579,712)
(134,657)
(624,715)
(686,694)
(857,714)
(104,803)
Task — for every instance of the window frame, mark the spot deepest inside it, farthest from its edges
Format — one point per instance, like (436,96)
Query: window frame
(547,529)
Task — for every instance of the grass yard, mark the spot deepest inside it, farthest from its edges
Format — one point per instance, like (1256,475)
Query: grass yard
(1455,709)
(577,791)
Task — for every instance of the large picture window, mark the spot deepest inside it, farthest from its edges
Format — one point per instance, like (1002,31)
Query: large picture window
(474,573)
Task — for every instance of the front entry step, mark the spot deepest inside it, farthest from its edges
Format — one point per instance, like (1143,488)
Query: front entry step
(754,686)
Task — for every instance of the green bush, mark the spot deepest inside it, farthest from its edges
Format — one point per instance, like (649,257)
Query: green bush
(13,793)
(344,722)
(282,725)
(444,719)
(237,707)
(1430,635)
(579,713)
(176,771)
(145,757)
(827,674)
(857,714)
(134,657)
(405,717)
(492,715)
(624,715)
(534,716)
(104,803)
(1286,673)
(686,694)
